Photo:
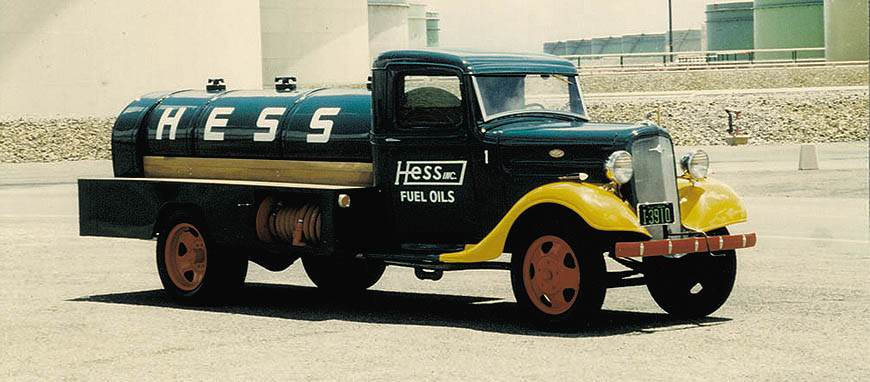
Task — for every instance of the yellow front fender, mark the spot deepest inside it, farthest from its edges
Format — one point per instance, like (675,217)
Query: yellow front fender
(601,209)
(709,204)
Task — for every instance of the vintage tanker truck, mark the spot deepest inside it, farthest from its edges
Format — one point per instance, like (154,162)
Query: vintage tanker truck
(448,161)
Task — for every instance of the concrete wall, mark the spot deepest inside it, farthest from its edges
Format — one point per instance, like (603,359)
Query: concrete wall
(91,57)
(321,42)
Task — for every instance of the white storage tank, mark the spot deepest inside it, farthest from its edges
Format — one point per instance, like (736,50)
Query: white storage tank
(846,29)
(417,26)
(320,42)
(433,31)
(388,26)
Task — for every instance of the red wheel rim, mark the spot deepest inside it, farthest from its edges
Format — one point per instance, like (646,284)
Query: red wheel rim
(185,256)
(551,275)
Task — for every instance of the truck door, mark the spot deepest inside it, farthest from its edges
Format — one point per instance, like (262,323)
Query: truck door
(424,158)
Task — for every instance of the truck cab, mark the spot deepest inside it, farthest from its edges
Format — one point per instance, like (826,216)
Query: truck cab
(437,112)
(471,161)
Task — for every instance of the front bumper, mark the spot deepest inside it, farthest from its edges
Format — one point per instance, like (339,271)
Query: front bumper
(678,246)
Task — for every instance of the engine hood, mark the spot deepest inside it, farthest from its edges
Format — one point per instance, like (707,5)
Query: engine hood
(612,135)
(547,149)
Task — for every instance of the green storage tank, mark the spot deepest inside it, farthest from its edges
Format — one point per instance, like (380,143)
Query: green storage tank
(644,43)
(789,24)
(554,47)
(730,26)
(578,47)
(846,29)
(606,45)
(687,40)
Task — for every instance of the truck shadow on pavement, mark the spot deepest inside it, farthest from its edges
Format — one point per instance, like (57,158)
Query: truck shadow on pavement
(487,314)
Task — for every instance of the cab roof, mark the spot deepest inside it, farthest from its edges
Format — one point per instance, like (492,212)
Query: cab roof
(471,62)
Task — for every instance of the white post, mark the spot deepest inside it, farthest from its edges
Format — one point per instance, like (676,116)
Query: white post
(808,159)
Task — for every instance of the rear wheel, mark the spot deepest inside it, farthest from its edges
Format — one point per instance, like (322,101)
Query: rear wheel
(339,274)
(557,278)
(191,267)
(694,285)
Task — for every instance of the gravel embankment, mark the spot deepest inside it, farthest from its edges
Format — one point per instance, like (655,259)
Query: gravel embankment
(765,78)
(31,139)
(793,117)
(780,117)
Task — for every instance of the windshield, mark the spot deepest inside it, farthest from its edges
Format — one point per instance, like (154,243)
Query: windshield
(511,94)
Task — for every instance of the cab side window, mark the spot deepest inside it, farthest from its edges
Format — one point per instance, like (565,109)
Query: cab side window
(429,102)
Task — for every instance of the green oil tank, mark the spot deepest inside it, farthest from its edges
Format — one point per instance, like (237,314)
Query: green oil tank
(644,43)
(606,45)
(730,26)
(578,47)
(789,24)
(846,30)
(687,40)
(555,47)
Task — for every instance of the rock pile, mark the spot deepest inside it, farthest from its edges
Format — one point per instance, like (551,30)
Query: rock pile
(32,139)
(793,117)
(764,78)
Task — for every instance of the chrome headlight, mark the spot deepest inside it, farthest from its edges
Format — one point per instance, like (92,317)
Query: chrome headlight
(618,167)
(696,164)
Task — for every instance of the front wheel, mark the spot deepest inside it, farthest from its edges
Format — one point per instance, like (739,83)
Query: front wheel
(558,279)
(191,267)
(694,285)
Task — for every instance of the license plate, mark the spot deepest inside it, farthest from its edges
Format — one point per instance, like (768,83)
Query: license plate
(655,213)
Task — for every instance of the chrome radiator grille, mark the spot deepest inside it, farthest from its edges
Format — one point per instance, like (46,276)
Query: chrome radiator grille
(655,177)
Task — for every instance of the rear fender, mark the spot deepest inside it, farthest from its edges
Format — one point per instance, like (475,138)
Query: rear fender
(168,209)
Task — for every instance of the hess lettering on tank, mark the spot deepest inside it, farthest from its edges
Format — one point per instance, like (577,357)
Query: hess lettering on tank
(267,123)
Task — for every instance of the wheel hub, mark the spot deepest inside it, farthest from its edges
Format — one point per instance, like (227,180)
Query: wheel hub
(186,257)
(551,274)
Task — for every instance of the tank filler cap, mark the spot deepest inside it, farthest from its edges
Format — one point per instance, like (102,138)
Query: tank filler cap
(285,84)
(215,85)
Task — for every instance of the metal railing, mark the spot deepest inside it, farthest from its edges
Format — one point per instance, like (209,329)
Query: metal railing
(696,59)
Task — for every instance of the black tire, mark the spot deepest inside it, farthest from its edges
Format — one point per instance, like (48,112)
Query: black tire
(694,285)
(342,275)
(558,277)
(191,267)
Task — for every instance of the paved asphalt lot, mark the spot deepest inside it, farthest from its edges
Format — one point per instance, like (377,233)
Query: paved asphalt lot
(85,308)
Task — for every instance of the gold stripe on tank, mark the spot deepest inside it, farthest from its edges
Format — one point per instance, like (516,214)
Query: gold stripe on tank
(267,170)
